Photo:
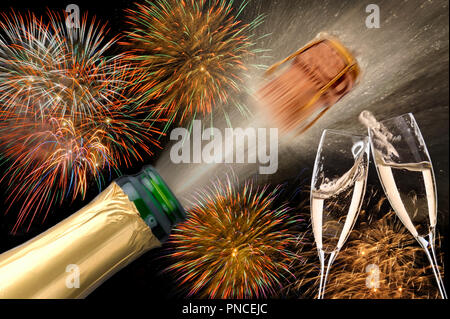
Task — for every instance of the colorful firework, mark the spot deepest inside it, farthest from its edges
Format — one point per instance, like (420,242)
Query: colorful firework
(49,69)
(381,260)
(234,244)
(193,54)
(66,116)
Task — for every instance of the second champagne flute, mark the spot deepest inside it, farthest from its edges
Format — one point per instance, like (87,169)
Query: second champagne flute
(406,173)
(337,190)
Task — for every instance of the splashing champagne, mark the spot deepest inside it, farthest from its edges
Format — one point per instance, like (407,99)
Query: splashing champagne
(337,192)
(341,208)
(406,173)
(133,215)
(421,202)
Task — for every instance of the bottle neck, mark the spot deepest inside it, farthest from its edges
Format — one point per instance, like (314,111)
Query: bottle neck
(155,202)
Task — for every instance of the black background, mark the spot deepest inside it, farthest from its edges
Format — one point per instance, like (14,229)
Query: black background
(144,278)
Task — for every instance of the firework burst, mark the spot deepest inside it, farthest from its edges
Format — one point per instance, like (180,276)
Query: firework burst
(66,116)
(381,260)
(234,244)
(193,54)
(49,69)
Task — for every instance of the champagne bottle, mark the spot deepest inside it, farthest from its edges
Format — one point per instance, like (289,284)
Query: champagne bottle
(131,216)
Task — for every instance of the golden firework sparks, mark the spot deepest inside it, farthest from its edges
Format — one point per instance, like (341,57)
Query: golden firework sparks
(234,243)
(381,260)
(193,54)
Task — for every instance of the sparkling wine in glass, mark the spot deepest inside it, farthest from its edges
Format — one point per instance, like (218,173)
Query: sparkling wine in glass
(406,173)
(337,190)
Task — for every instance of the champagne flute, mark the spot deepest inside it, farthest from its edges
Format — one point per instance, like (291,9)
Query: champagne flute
(406,173)
(337,190)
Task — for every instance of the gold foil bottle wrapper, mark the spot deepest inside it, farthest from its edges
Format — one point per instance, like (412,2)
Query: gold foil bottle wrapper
(85,248)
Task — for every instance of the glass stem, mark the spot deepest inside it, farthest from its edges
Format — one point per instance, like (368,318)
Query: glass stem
(428,247)
(326,260)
